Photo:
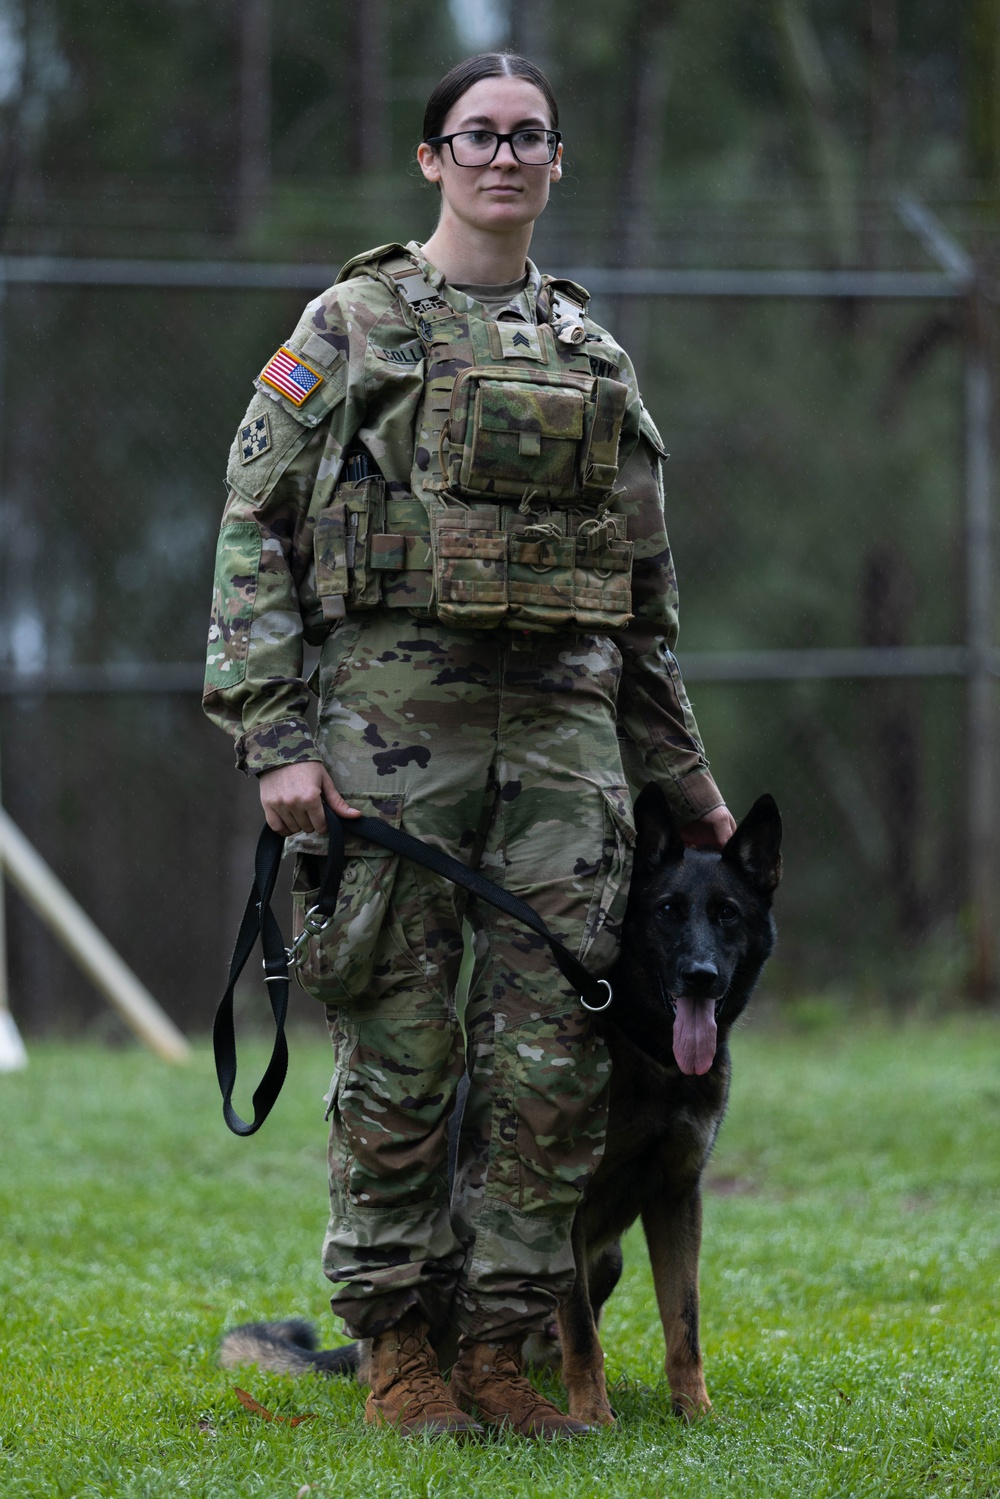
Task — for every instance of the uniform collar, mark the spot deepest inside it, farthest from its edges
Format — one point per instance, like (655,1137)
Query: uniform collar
(462,303)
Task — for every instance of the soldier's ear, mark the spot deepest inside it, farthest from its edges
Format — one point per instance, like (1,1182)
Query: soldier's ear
(429,162)
(657,837)
(555,171)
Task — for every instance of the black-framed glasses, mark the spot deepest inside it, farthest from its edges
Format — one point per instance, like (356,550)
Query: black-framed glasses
(477,148)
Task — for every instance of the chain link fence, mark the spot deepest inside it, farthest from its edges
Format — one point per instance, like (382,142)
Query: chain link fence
(828,495)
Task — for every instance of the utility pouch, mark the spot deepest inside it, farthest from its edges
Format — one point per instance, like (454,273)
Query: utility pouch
(364,502)
(401,556)
(602,577)
(470,567)
(517,432)
(342,547)
(565,571)
(540,579)
(330,553)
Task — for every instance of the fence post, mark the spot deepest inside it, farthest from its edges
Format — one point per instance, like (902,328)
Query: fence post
(981,807)
(12,1052)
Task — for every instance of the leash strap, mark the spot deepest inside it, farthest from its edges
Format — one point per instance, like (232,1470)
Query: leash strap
(259,923)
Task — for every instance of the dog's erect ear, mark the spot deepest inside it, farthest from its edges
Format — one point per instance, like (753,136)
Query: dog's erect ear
(755,847)
(657,837)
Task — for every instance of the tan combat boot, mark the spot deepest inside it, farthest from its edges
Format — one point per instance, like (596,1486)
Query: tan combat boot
(489,1376)
(407,1390)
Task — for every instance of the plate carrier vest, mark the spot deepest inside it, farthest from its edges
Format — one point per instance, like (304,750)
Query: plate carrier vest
(515,459)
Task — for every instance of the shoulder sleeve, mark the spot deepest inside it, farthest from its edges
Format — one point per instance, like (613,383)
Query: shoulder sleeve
(304,404)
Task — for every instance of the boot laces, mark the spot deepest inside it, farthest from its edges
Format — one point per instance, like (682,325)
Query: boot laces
(418,1367)
(506,1362)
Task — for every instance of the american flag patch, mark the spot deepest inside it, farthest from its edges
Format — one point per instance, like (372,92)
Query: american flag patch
(290,375)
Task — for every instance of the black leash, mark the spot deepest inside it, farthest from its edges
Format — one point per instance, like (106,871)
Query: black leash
(259,923)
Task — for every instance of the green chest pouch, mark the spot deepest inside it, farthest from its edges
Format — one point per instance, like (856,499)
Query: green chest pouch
(525,434)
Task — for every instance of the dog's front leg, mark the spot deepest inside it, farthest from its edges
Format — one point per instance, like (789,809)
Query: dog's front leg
(582,1354)
(673,1235)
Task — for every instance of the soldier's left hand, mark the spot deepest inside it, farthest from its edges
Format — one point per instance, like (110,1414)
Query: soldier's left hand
(713,831)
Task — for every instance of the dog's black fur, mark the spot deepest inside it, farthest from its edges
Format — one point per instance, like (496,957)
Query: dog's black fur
(697,932)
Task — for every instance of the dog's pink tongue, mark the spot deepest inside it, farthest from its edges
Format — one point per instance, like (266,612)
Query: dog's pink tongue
(694,1034)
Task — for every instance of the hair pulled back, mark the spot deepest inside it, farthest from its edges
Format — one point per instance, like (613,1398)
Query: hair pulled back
(473,70)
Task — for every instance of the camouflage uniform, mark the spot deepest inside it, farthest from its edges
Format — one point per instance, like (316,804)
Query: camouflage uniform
(498,745)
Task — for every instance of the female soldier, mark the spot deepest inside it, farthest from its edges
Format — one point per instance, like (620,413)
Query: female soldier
(447,480)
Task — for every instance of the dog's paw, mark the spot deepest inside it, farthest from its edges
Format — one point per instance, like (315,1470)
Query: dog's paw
(587,1397)
(691,1404)
(594,1412)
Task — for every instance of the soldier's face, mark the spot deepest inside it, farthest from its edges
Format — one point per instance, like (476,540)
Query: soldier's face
(505,194)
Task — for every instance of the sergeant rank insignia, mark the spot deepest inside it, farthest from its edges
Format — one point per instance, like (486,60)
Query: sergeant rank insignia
(519,341)
(290,375)
(255,438)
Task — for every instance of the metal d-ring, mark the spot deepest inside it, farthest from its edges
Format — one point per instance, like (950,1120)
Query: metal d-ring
(596,1009)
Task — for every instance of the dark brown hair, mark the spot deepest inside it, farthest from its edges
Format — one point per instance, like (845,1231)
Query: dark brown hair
(473,70)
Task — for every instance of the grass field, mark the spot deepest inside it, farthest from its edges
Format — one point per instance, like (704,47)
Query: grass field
(851,1289)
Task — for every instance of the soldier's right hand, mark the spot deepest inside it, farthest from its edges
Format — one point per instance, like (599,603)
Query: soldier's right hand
(292,797)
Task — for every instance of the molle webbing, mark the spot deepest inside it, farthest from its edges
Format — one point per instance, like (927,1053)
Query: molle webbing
(515,460)
(473,566)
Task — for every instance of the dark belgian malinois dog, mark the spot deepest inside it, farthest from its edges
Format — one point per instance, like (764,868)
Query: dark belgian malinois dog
(697,932)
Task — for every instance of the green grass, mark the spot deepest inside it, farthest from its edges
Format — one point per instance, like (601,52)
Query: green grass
(850,1289)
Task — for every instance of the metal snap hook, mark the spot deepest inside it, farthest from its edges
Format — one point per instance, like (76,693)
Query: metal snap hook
(311,927)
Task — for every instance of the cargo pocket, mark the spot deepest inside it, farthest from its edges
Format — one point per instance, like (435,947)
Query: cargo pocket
(338,963)
(470,571)
(559,1070)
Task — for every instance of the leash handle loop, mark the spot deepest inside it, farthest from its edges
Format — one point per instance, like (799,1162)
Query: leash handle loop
(260,924)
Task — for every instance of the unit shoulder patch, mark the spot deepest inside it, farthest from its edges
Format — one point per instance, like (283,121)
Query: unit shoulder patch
(255,438)
(288,374)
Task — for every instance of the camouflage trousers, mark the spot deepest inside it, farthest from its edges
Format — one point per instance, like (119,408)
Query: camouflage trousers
(506,757)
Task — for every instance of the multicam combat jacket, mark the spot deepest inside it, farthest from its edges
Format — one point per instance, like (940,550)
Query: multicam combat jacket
(356,370)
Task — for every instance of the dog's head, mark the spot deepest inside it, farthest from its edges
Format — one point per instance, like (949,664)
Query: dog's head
(698,928)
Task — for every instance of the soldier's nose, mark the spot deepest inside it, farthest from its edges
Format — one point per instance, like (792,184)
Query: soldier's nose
(698,978)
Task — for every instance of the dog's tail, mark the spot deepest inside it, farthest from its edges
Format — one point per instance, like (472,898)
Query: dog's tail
(285,1348)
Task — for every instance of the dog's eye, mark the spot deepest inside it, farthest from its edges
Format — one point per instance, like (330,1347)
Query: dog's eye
(728,911)
(668,907)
